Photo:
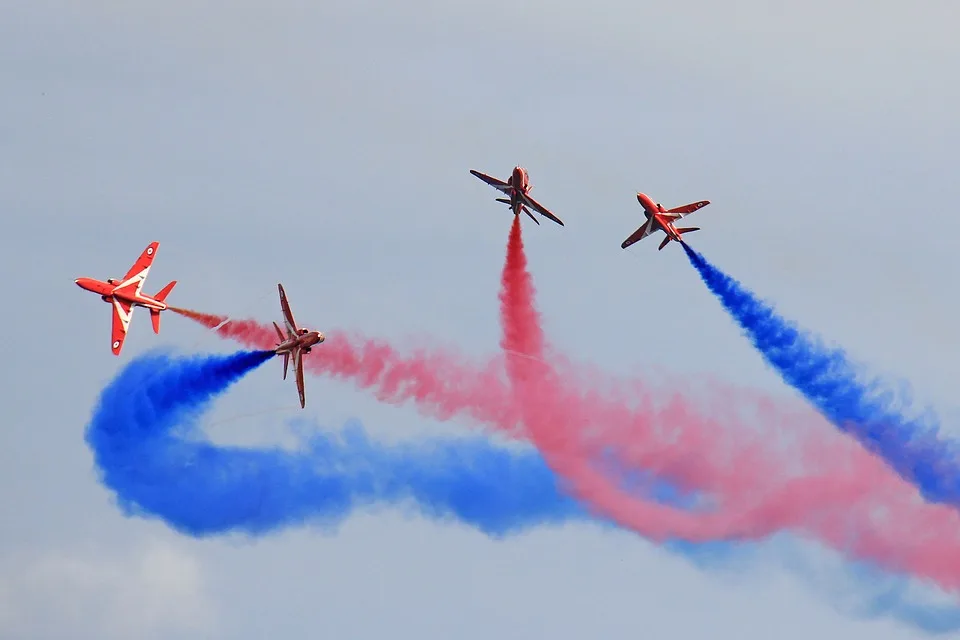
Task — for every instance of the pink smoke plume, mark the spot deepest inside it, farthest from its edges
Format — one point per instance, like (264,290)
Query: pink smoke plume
(823,488)
(852,502)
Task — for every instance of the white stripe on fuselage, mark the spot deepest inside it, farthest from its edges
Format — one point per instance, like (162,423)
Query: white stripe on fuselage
(138,298)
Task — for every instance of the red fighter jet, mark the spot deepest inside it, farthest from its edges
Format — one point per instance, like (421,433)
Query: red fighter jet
(659,219)
(125,294)
(297,342)
(518,188)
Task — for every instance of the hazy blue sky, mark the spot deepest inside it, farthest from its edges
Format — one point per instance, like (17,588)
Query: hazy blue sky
(327,145)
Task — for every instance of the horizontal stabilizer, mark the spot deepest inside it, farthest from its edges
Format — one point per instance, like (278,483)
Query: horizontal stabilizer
(155,319)
(504,200)
(664,243)
(163,293)
(684,230)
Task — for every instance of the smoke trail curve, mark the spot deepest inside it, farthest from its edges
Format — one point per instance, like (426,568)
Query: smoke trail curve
(848,507)
(145,438)
(749,486)
(827,379)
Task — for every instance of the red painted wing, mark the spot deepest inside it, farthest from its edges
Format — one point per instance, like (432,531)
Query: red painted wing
(689,208)
(639,234)
(287,314)
(298,361)
(121,322)
(539,208)
(490,180)
(142,265)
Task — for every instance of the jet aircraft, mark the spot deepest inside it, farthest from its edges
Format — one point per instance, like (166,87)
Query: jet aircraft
(518,188)
(297,342)
(660,219)
(126,293)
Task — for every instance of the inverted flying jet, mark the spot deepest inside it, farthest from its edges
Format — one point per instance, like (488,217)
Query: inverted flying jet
(660,219)
(518,188)
(126,293)
(297,342)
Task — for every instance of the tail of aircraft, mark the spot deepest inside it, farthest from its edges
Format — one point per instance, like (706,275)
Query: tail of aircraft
(163,293)
(680,231)
(523,208)
(160,297)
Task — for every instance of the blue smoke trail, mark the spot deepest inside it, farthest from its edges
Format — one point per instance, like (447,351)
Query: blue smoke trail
(826,378)
(146,442)
(148,447)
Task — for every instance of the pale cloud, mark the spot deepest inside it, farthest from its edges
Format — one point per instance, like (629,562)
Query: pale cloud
(848,55)
(150,591)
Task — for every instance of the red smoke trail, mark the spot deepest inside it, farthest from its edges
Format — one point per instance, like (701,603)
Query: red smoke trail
(859,506)
(851,496)
(440,384)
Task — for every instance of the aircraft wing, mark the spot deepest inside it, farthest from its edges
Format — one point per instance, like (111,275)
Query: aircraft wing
(287,314)
(138,272)
(639,234)
(121,322)
(687,209)
(539,208)
(493,182)
(298,365)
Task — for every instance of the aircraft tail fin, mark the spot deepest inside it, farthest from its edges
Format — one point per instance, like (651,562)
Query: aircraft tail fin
(155,319)
(680,231)
(279,333)
(286,361)
(163,293)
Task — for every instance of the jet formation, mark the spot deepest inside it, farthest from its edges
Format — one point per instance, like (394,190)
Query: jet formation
(123,294)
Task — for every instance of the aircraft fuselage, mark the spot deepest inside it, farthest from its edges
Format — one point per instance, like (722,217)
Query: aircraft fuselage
(109,290)
(653,210)
(304,341)
(519,182)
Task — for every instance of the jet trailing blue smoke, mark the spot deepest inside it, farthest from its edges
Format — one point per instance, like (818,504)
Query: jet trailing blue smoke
(148,446)
(869,411)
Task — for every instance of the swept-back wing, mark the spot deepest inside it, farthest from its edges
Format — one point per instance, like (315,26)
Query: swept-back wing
(639,234)
(539,208)
(493,182)
(688,208)
(298,364)
(121,322)
(138,272)
(287,314)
